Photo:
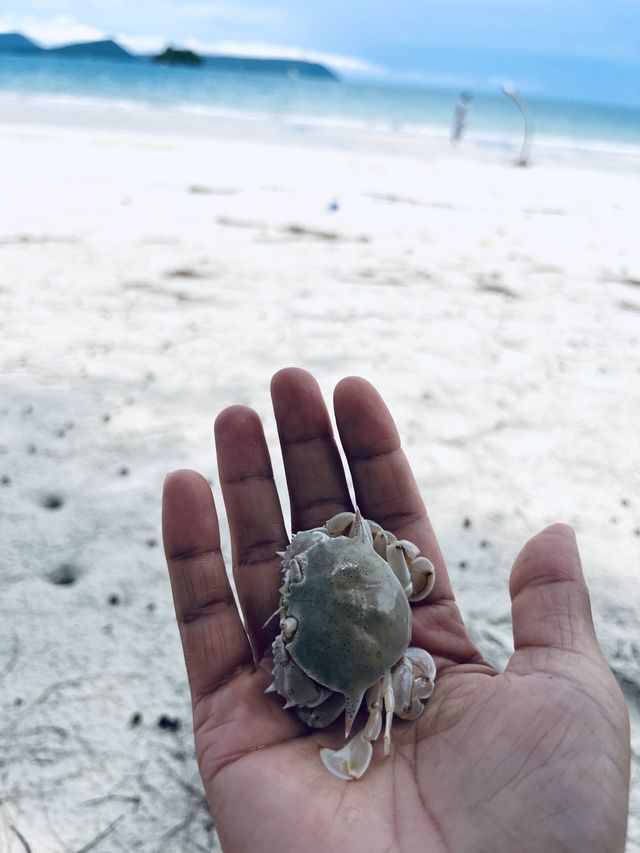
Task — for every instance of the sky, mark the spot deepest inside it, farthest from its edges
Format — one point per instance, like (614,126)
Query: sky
(582,49)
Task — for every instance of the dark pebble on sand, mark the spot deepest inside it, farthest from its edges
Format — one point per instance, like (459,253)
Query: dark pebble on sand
(624,501)
(106,418)
(462,564)
(168,724)
(124,471)
(636,532)
(114,600)
(17,701)
(135,720)
(61,432)
(466,522)
(152,542)
(484,543)
(5,480)
(151,607)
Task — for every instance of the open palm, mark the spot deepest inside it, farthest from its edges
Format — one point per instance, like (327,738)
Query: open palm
(532,759)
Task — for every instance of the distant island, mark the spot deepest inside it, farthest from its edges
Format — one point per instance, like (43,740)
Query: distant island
(108,49)
(171,56)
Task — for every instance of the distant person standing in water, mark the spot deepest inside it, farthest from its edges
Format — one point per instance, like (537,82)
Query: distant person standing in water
(460,117)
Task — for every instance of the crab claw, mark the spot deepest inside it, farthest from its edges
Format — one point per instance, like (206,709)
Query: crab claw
(351,761)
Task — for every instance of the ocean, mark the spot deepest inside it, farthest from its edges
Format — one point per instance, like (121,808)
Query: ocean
(493,119)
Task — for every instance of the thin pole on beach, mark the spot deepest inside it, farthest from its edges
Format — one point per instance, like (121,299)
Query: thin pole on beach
(525,151)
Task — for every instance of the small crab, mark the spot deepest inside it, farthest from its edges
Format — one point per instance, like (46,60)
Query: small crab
(345,628)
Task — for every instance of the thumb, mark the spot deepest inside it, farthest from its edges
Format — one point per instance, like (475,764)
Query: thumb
(550,604)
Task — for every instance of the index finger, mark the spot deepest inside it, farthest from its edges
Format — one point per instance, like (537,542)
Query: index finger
(213,637)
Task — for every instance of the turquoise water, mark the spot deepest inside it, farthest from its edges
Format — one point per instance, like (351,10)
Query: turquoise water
(380,106)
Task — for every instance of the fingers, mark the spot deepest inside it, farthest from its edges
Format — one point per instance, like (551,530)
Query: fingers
(255,519)
(385,488)
(315,476)
(385,492)
(549,597)
(213,638)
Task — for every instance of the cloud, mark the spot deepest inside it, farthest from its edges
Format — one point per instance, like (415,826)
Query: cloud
(229,12)
(347,64)
(62,29)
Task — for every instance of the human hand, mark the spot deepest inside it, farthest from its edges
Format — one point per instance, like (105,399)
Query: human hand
(532,759)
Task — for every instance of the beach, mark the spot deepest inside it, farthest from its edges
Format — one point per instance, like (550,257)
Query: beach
(153,272)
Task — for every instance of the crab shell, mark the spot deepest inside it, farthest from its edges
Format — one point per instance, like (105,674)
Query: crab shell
(345,628)
(353,617)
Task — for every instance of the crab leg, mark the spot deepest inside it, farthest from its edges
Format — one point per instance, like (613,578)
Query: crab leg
(323,714)
(424,671)
(389,707)
(413,681)
(397,559)
(352,761)
(373,725)
(291,682)
(403,685)
(339,524)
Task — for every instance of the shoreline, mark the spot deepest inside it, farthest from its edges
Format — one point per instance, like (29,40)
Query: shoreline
(192,121)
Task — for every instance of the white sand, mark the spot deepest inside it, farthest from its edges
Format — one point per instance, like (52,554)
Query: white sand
(497,309)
